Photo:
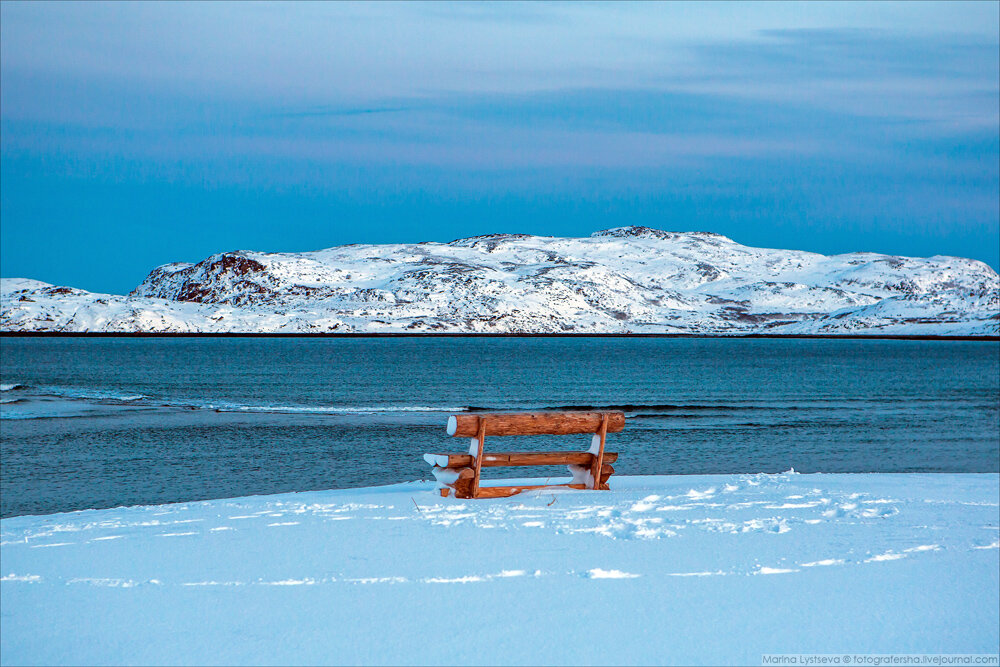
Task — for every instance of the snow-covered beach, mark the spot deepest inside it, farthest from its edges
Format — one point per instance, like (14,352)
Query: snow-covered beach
(714,569)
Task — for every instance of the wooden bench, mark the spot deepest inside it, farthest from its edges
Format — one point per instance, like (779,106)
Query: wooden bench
(458,474)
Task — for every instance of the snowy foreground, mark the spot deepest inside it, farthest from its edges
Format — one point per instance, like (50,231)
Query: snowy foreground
(695,569)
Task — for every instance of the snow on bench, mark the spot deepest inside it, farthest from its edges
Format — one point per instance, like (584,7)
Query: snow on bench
(459,474)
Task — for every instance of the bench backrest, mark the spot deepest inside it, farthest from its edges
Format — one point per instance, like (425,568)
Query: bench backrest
(533,423)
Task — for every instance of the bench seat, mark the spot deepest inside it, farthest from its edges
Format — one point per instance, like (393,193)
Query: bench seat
(504,459)
(507,491)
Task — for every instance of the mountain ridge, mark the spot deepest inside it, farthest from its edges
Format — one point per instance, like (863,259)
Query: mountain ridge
(619,280)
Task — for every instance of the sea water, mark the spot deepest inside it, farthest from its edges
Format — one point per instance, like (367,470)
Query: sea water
(104,422)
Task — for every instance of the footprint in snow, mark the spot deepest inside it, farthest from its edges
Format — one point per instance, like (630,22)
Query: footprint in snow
(773,570)
(879,513)
(854,510)
(888,555)
(107,582)
(823,563)
(644,505)
(770,525)
(791,506)
(598,573)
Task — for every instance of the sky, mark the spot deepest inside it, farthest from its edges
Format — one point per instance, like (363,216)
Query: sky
(137,134)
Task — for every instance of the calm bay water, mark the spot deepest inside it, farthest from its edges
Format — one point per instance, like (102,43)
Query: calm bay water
(90,423)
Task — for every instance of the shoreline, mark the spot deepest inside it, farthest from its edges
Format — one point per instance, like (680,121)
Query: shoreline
(131,334)
(624,483)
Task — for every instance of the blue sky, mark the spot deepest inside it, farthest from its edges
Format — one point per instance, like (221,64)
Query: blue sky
(135,134)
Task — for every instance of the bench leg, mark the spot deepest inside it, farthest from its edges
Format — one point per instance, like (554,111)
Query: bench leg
(606,471)
(480,438)
(596,470)
(459,479)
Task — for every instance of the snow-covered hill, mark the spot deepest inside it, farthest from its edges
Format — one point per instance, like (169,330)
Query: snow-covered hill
(631,279)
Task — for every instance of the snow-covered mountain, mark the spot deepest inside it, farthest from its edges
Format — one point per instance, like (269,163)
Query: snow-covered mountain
(630,279)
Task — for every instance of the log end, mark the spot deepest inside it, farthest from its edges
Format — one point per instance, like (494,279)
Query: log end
(452,425)
(439,460)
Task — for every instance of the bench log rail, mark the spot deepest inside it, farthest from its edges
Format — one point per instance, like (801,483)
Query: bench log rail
(459,474)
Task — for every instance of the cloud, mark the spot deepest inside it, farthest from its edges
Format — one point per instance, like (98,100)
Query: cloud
(951,80)
(336,112)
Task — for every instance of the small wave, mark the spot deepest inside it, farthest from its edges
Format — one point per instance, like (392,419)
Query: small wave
(8,401)
(43,395)
(22,416)
(90,394)
(11,387)
(644,410)
(333,410)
